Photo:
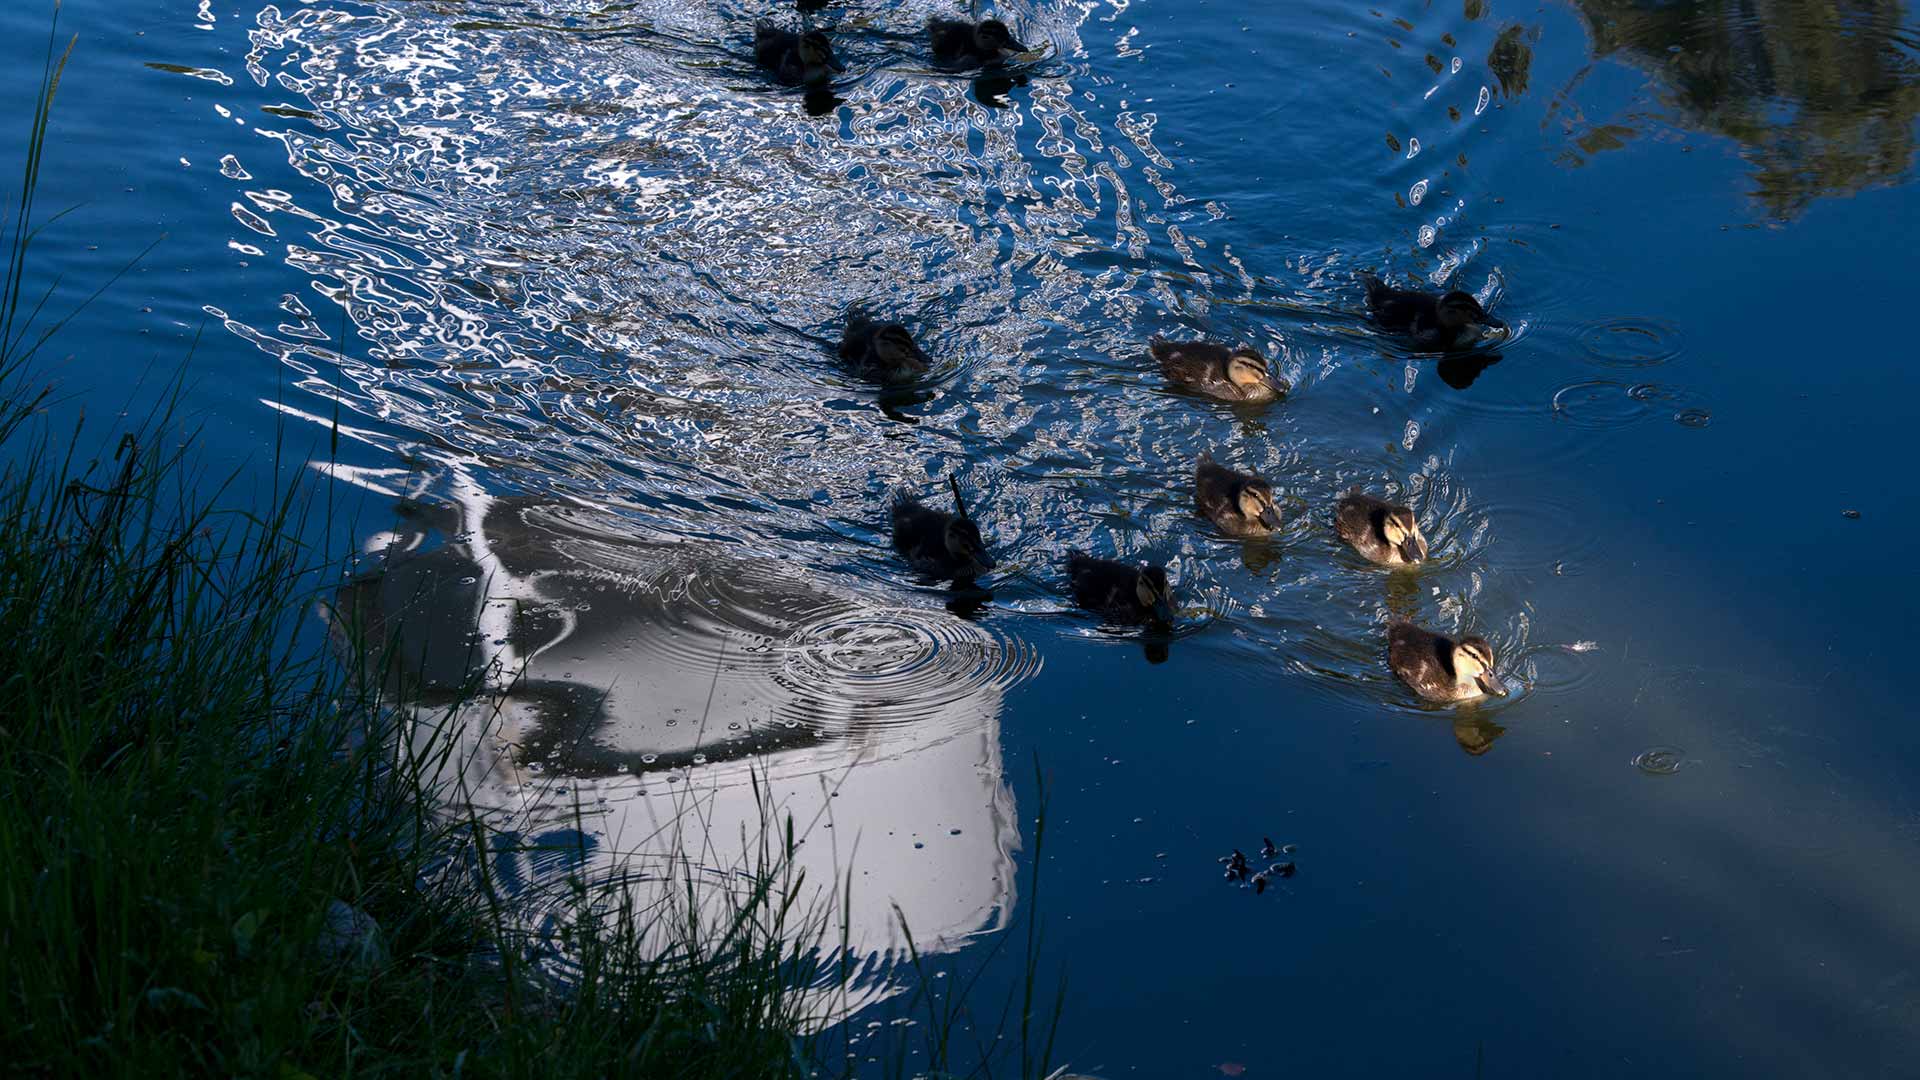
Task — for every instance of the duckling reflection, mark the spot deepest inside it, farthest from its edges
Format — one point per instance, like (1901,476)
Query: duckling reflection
(894,401)
(821,100)
(1460,369)
(1403,597)
(1230,374)
(883,352)
(1382,532)
(684,695)
(1451,321)
(1239,504)
(957,43)
(937,543)
(1128,593)
(794,58)
(991,88)
(1439,668)
(1475,734)
(1258,555)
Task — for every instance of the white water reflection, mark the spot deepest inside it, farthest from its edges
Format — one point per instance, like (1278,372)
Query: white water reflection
(658,713)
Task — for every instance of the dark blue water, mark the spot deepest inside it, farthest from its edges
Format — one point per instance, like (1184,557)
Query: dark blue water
(568,277)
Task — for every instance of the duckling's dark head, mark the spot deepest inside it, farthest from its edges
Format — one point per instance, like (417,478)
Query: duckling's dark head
(1461,313)
(1400,529)
(1473,661)
(994,39)
(816,51)
(1155,595)
(965,544)
(1256,503)
(1247,371)
(894,348)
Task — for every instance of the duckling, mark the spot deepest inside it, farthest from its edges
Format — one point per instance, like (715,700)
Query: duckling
(796,59)
(882,351)
(1123,592)
(1237,374)
(1241,504)
(961,44)
(938,543)
(1382,532)
(1443,323)
(1439,668)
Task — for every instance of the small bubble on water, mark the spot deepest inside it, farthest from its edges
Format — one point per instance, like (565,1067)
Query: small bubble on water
(1660,760)
(648,759)
(1693,418)
(1850,515)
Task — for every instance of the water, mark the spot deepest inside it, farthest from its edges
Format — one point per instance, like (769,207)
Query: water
(567,278)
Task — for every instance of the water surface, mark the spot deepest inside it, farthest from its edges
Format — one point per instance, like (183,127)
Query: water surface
(567,277)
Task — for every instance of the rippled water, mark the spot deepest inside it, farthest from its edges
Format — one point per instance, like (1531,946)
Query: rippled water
(552,288)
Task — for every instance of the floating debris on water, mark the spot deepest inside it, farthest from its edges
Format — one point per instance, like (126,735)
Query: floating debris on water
(1660,760)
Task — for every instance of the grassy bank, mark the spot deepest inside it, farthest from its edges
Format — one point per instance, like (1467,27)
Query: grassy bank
(218,856)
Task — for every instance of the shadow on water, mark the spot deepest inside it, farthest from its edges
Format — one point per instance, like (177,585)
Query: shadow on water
(1822,97)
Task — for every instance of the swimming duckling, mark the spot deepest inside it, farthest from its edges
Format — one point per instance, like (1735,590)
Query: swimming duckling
(881,351)
(961,44)
(796,59)
(1237,374)
(1123,592)
(1382,532)
(1439,668)
(1241,504)
(938,543)
(1451,321)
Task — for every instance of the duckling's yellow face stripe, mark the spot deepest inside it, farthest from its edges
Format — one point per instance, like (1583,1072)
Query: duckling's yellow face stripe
(1471,660)
(1254,501)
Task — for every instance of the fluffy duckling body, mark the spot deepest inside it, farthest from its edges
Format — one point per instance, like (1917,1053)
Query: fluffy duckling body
(961,44)
(885,352)
(935,542)
(1206,367)
(1382,532)
(1239,504)
(1123,592)
(795,59)
(1439,668)
(1445,323)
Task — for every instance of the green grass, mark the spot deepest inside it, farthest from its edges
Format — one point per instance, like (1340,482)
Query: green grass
(189,787)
